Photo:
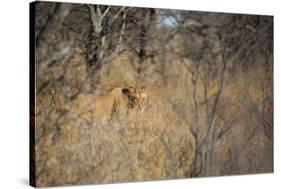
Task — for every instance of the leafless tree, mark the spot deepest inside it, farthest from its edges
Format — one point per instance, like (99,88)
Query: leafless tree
(240,39)
(103,19)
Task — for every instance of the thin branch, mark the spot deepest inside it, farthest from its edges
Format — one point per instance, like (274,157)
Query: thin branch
(105,12)
(98,11)
(117,14)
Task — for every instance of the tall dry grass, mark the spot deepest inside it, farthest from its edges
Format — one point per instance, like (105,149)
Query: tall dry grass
(158,143)
(72,148)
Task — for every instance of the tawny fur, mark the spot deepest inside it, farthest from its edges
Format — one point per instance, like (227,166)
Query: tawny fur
(117,103)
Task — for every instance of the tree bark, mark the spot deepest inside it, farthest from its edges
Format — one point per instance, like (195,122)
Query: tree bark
(148,16)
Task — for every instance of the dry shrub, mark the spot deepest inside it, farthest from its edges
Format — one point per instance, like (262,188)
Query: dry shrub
(149,145)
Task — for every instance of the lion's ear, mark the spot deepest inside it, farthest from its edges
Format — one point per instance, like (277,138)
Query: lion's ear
(131,89)
(125,91)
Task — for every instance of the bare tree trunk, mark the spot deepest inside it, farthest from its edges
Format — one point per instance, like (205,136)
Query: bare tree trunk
(93,58)
(101,19)
(142,51)
(209,150)
(122,33)
(144,27)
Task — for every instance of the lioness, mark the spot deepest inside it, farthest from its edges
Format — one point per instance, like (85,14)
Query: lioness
(117,103)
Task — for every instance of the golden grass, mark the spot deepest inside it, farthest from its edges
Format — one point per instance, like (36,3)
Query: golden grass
(71,148)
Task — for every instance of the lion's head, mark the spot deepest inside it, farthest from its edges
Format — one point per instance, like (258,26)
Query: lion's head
(136,96)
